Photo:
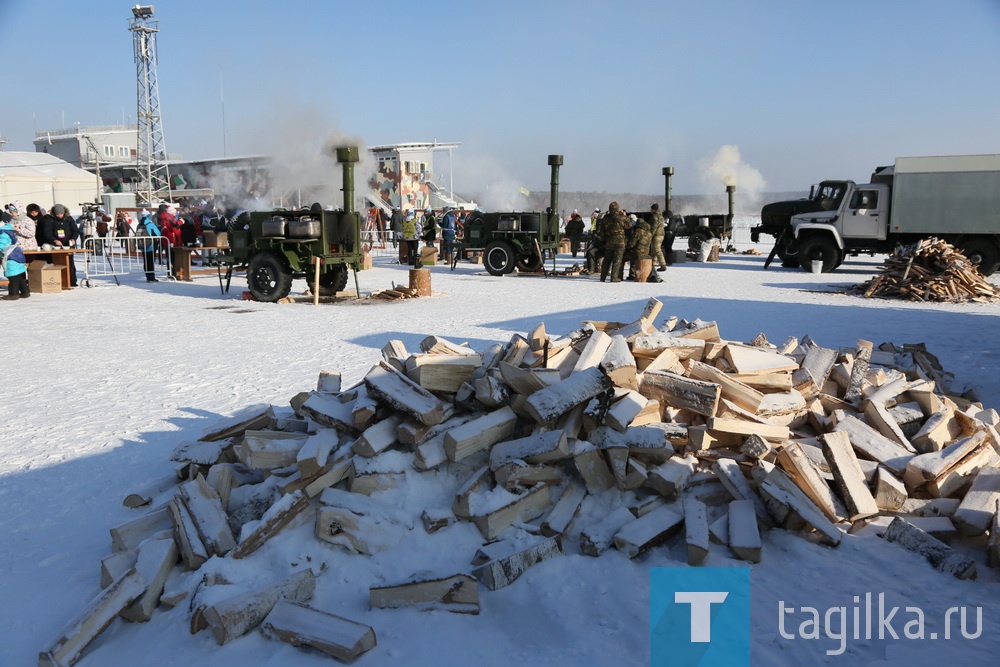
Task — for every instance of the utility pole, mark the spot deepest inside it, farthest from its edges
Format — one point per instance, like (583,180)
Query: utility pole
(151,156)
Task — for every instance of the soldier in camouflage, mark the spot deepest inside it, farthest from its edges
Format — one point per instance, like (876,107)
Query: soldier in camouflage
(614,223)
(638,246)
(595,248)
(656,225)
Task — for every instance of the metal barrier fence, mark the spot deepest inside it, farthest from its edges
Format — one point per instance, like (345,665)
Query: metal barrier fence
(381,243)
(113,256)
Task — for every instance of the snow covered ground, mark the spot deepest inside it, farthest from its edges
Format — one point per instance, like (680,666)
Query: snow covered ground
(103,382)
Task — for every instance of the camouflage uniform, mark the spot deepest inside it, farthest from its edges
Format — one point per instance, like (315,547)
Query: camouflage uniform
(614,223)
(638,245)
(595,249)
(656,224)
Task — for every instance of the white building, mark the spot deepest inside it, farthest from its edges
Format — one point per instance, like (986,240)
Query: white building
(90,147)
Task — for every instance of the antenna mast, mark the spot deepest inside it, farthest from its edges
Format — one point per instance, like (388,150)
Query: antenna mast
(151,156)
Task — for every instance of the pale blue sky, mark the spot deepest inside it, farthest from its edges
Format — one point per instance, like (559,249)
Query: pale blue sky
(805,90)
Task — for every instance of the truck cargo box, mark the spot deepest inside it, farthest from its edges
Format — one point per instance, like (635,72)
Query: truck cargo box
(955,194)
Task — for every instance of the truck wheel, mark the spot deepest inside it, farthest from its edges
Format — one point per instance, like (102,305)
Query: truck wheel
(696,239)
(530,264)
(982,254)
(334,280)
(268,278)
(821,248)
(498,258)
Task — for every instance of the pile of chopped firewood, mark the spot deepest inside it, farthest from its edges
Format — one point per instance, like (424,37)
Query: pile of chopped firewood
(929,270)
(397,292)
(616,436)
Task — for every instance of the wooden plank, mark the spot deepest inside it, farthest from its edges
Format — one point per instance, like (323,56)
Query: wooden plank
(624,410)
(193,551)
(873,445)
(517,475)
(93,620)
(744,537)
(672,477)
(528,506)
(300,625)
(798,465)
(890,493)
(478,434)
(598,537)
(878,417)
(157,557)
(731,477)
(502,571)
(593,468)
(619,364)
(593,351)
(744,428)
(559,519)
(859,369)
(755,361)
(640,535)
(779,488)
(739,393)
(938,554)
(477,481)
(680,392)
(651,345)
(266,450)
(206,511)
(250,418)
(695,531)
(457,594)
(847,475)
(328,410)
(402,393)
(127,536)
(975,514)
(233,617)
(277,516)
(549,403)
(357,522)
(934,467)
(378,437)
(537,448)
(442,372)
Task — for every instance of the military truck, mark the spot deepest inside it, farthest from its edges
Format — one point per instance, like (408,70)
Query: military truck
(953,197)
(279,246)
(516,239)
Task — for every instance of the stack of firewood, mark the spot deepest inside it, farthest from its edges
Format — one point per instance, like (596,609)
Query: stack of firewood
(397,292)
(929,270)
(617,436)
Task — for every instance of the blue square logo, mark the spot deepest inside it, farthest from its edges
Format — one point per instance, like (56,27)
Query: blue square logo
(699,617)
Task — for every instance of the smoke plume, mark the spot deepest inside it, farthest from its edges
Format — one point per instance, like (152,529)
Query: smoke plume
(726,167)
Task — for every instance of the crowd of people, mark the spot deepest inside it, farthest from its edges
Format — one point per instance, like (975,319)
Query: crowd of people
(617,237)
(33,228)
(411,228)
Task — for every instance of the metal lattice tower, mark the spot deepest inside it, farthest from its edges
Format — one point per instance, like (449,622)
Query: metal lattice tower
(151,156)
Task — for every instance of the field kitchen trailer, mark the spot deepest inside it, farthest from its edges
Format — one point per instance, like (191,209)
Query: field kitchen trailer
(515,239)
(281,245)
(955,198)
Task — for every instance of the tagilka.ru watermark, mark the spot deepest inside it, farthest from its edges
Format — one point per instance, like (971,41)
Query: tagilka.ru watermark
(870,617)
(699,617)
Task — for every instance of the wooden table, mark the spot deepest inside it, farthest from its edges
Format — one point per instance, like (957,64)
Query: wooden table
(180,259)
(60,258)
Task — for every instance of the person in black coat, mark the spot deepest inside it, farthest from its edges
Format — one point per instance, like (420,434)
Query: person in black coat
(58,230)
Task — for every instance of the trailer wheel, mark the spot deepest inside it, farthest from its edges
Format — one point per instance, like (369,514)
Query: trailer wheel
(268,277)
(530,264)
(334,280)
(822,248)
(982,254)
(696,239)
(498,258)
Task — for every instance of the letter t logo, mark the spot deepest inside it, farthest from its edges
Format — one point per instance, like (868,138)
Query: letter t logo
(701,612)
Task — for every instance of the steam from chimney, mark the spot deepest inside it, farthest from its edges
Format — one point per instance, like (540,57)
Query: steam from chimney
(501,192)
(726,167)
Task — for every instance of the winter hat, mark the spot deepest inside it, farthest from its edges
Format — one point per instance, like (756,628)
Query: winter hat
(14,207)
(633,218)
(58,209)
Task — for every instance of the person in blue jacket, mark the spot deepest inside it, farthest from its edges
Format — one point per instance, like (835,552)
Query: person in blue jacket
(148,228)
(14,264)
